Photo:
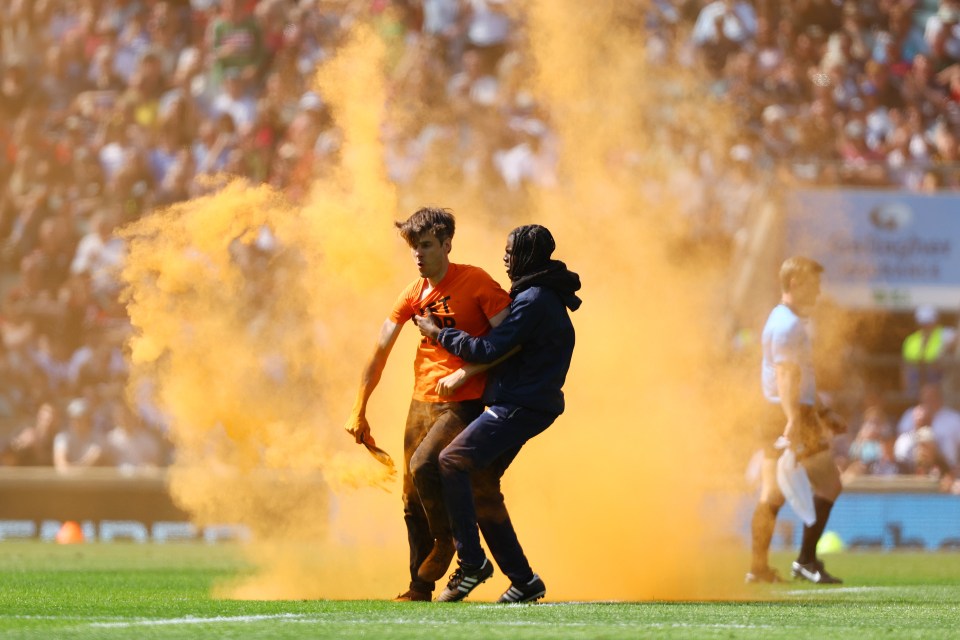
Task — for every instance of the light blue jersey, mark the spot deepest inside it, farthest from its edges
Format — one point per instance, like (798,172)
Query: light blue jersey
(786,339)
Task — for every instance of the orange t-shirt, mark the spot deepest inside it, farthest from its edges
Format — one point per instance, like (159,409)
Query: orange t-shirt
(466,298)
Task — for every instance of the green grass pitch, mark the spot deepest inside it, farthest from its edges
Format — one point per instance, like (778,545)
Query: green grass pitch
(163,591)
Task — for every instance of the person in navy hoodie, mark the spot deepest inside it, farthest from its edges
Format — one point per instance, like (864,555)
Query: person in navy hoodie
(523,395)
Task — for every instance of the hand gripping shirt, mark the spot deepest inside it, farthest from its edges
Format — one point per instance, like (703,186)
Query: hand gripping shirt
(465,299)
(786,340)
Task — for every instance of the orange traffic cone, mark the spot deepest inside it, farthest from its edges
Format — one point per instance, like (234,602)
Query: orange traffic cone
(70,533)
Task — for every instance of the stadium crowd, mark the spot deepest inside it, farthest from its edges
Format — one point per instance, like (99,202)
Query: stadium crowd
(112,108)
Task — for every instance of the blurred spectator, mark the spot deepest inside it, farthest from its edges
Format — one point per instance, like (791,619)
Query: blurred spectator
(51,356)
(722,28)
(32,446)
(28,214)
(932,412)
(919,454)
(942,34)
(97,364)
(442,20)
(872,451)
(17,330)
(925,351)
(236,43)
(100,253)
(878,86)
(215,140)
(769,50)
(902,40)
(488,30)
(235,101)
(929,461)
(129,445)
(825,15)
(777,140)
(14,89)
(920,417)
(525,158)
(78,445)
(860,164)
(472,90)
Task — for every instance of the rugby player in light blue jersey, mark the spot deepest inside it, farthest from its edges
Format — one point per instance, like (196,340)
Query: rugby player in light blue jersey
(793,420)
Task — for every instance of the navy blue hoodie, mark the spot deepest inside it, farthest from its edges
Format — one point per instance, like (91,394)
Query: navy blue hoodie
(539,322)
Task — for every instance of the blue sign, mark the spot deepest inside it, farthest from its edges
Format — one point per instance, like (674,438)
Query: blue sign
(886,249)
(927,521)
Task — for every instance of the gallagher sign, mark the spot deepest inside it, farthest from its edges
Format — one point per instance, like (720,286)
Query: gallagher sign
(881,249)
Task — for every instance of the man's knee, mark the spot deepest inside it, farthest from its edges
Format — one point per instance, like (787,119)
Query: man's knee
(769,489)
(421,464)
(824,475)
(770,494)
(773,498)
(829,488)
(453,461)
(424,459)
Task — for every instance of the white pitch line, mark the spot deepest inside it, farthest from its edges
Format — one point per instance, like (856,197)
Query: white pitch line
(565,603)
(196,620)
(822,590)
(307,619)
(18,616)
(553,624)
(715,625)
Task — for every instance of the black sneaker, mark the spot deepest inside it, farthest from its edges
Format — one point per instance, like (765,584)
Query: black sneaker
(436,564)
(412,595)
(814,572)
(463,581)
(529,592)
(766,574)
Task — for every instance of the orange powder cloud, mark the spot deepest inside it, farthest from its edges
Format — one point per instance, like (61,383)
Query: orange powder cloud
(610,502)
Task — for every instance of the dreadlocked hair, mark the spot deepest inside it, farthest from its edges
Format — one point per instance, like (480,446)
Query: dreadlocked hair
(533,245)
(440,222)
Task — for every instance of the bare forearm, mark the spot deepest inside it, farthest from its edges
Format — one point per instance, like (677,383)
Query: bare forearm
(378,361)
(788,388)
(375,366)
(368,382)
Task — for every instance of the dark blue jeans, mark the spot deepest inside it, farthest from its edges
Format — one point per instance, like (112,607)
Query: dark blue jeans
(485,449)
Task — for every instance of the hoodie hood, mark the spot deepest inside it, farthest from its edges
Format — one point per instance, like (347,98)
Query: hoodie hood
(555,276)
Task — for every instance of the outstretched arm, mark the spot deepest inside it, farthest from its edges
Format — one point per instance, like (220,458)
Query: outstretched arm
(446,386)
(453,381)
(357,424)
(524,317)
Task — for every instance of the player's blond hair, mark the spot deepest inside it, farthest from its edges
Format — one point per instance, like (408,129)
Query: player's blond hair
(798,267)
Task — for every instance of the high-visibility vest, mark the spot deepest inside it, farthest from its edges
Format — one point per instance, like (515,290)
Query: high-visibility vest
(916,350)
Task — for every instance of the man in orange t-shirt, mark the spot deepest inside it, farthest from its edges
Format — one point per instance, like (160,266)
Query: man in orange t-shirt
(446,394)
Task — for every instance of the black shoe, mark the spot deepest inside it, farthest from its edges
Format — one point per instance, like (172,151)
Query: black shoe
(464,580)
(529,592)
(412,595)
(814,572)
(763,575)
(437,563)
